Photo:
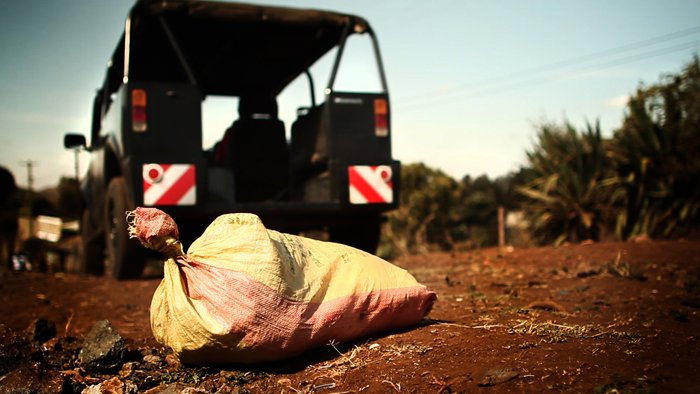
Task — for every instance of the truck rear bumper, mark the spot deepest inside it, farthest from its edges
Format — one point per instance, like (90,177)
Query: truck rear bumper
(286,216)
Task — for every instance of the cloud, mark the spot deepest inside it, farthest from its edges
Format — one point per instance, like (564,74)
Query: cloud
(617,102)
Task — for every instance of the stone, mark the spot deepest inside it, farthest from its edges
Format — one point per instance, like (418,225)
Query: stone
(112,386)
(172,361)
(152,359)
(128,369)
(497,375)
(41,330)
(103,349)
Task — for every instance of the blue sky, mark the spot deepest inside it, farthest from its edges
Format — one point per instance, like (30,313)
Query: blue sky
(468,80)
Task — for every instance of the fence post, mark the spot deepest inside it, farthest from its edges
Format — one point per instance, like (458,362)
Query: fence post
(501,229)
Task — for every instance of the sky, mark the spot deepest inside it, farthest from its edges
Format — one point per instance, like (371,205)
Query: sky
(469,80)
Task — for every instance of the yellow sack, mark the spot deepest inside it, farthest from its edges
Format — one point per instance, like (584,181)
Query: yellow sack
(244,293)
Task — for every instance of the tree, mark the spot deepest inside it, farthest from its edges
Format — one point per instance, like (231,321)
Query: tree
(475,219)
(426,204)
(657,153)
(569,198)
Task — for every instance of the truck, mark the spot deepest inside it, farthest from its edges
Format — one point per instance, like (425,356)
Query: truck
(331,172)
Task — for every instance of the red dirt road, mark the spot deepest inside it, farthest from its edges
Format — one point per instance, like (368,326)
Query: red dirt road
(601,317)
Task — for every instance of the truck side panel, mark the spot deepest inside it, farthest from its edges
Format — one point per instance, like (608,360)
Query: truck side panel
(173,136)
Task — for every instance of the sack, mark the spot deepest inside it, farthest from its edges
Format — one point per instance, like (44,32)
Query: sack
(244,293)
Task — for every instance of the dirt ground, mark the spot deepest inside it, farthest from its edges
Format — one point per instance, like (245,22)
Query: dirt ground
(612,317)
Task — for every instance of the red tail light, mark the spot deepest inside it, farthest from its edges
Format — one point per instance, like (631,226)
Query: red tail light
(138,110)
(381,118)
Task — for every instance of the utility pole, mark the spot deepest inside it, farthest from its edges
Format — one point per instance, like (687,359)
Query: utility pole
(28,197)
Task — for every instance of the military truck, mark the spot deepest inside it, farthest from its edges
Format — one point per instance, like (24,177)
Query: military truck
(331,171)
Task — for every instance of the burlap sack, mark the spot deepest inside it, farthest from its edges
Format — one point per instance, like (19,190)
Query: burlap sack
(244,293)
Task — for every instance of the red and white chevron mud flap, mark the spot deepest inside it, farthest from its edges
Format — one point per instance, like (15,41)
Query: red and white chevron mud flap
(370,185)
(169,184)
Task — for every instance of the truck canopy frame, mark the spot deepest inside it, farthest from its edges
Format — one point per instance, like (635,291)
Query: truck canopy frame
(287,42)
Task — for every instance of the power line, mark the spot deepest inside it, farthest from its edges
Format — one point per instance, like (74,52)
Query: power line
(529,74)
(458,96)
(641,56)
(541,79)
(612,51)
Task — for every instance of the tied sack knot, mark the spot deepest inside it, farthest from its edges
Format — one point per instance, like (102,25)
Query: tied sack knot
(155,230)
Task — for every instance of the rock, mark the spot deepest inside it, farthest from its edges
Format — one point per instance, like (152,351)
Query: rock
(546,305)
(152,359)
(103,349)
(641,238)
(53,344)
(15,350)
(172,361)
(41,330)
(588,273)
(112,386)
(497,375)
(128,369)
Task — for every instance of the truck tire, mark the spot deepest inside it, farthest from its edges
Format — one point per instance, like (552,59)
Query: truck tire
(91,257)
(363,235)
(125,257)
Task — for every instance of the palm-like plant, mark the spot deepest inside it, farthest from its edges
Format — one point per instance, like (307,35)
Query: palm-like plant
(657,153)
(569,198)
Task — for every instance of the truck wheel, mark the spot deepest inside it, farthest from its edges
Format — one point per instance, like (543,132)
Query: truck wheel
(125,257)
(91,257)
(363,236)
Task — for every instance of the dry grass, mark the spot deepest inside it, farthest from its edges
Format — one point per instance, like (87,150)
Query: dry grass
(357,357)
(553,332)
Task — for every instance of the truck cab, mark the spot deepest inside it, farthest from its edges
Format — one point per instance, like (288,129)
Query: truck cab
(331,169)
